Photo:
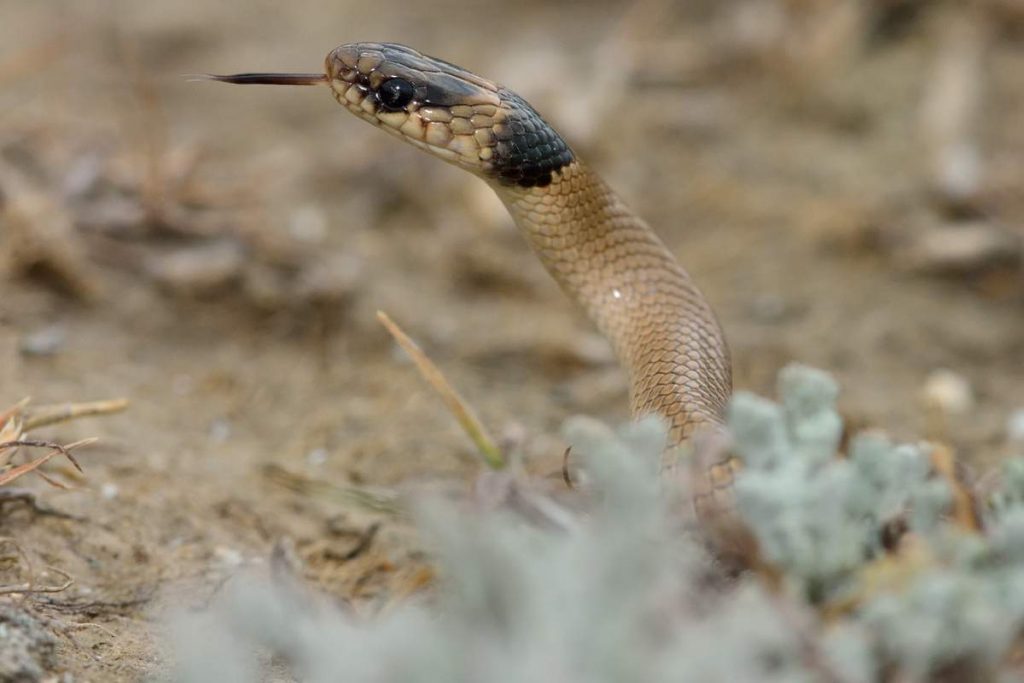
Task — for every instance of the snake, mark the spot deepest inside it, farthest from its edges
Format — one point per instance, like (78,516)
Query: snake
(602,254)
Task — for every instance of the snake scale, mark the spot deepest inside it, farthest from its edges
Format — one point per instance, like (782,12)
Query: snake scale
(603,255)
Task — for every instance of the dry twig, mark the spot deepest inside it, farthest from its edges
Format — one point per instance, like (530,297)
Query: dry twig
(53,414)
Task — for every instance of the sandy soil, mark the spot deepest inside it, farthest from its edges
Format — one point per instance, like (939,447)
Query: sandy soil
(216,255)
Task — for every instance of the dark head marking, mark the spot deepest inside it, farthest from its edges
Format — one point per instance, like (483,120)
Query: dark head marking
(527,149)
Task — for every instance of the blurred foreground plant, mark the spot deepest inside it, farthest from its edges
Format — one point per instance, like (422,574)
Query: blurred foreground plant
(878,578)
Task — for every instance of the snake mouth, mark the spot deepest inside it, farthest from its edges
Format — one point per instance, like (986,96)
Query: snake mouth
(442,131)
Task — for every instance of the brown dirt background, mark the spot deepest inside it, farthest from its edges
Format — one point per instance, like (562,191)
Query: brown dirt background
(223,263)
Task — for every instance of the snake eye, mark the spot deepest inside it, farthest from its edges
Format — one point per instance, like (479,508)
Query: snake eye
(395,93)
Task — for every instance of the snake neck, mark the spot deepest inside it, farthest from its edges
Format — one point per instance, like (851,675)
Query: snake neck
(611,262)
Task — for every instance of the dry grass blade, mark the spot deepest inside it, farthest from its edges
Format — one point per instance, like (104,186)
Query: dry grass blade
(31,588)
(21,470)
(13,411)
(53,414)
(17,420)
(11,428)
(458,407)
(372,500)
(55,449)
(964,513)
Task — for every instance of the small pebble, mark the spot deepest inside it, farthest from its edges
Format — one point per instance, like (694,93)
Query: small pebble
(220,430)
(330,280)
(228,556)
(198,270)
(308,224)
(959,172)
(317,456)
(109,491)
(963,247)
(83,176)
(949,392)
(48,341)
(769,308)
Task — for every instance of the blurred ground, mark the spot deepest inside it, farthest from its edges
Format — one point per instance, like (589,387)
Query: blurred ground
(842,178)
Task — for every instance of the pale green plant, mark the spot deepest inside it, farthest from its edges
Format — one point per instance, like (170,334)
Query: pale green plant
(618,588)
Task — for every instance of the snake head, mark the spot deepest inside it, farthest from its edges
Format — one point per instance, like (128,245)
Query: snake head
(448,111)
